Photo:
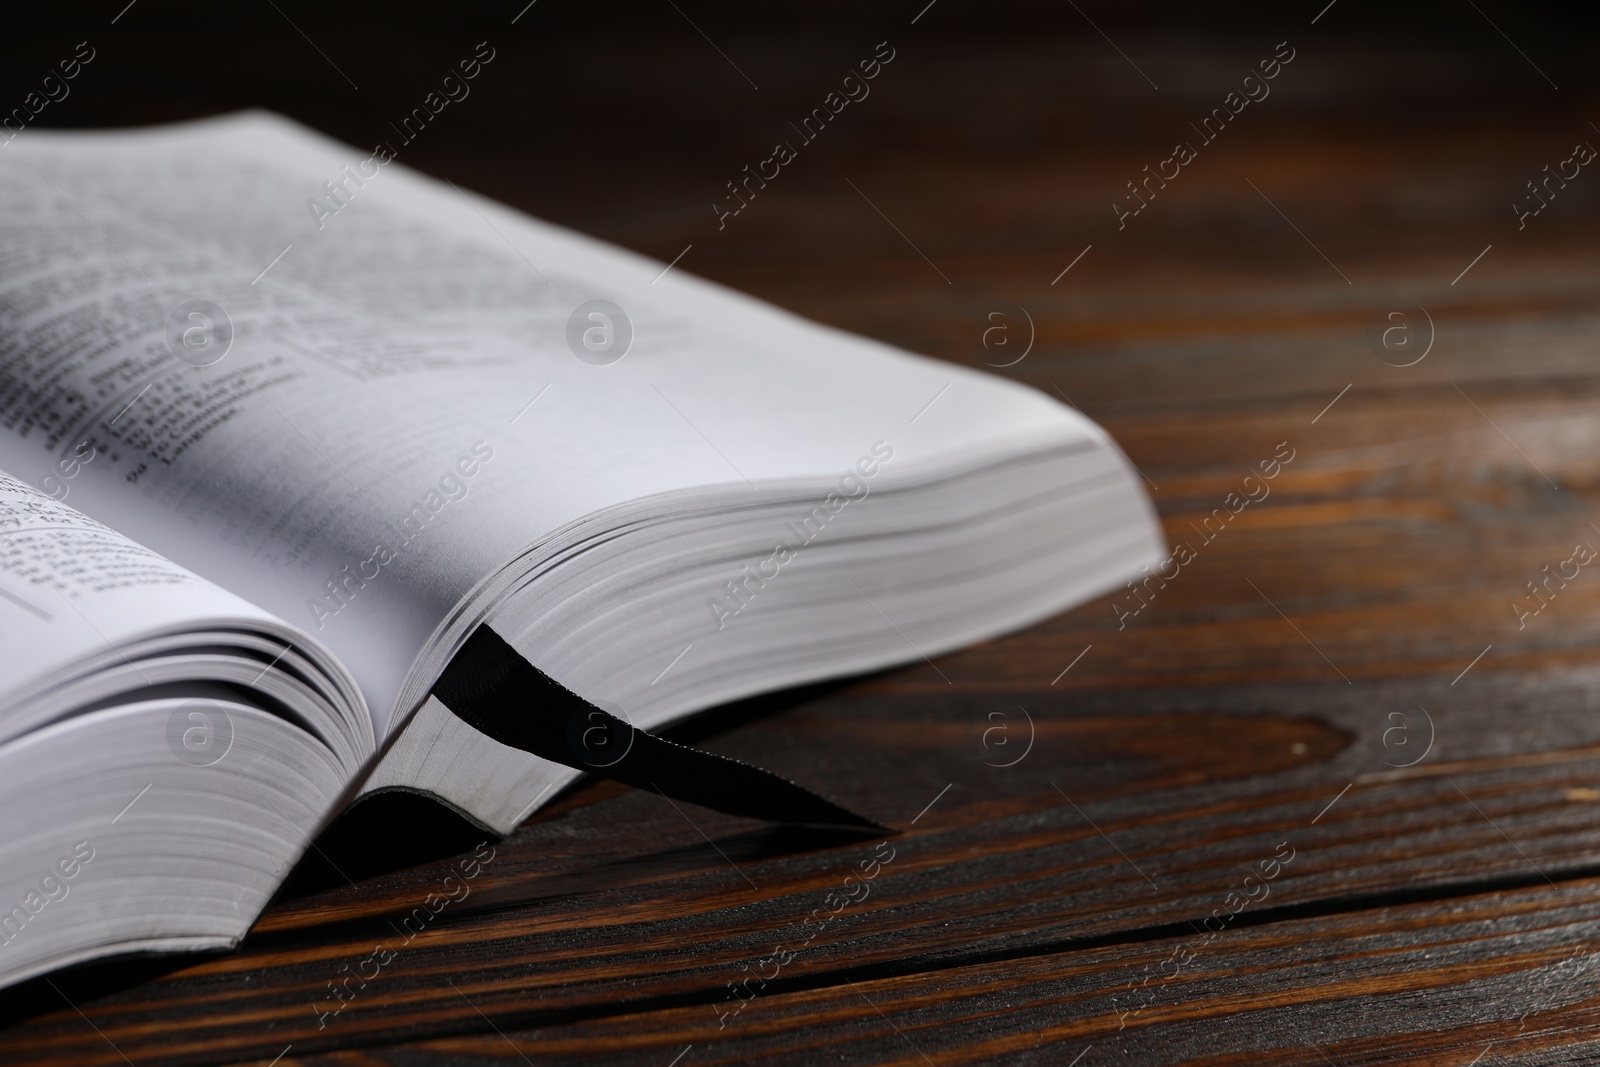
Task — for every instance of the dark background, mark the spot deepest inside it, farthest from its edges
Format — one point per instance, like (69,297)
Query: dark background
(999,135)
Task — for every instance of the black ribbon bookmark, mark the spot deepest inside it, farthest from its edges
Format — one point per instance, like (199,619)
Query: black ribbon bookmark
(491,687)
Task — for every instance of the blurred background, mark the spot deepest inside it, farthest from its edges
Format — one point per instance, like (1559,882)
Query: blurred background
(996,141)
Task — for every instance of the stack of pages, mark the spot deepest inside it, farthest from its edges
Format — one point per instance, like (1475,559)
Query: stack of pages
(282,423)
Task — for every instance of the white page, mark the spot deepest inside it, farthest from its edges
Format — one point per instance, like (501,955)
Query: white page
(73,590)
(385,351)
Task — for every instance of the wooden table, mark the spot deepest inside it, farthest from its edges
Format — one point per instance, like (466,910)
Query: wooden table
(1331,796)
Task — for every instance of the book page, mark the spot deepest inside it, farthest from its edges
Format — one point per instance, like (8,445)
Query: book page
(351,394)
(279,447)
(72,590)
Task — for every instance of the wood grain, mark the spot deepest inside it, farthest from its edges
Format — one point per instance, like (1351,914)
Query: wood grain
(1509,974)
(1339,672)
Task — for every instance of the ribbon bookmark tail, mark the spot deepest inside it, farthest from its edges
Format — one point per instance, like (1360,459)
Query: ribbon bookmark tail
(491,687)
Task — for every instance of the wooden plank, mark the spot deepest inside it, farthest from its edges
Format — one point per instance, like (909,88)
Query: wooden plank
(1506,977)
(572,918)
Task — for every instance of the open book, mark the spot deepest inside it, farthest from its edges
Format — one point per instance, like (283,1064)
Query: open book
(283,423)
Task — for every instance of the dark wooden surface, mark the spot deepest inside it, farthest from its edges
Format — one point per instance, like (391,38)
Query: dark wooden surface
(1266,703)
